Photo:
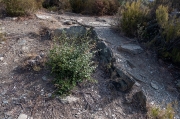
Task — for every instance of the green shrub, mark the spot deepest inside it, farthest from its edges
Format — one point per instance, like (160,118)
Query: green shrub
(132,15)
(21,7)
(70,62)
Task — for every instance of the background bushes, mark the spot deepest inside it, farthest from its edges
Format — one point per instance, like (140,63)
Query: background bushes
(132,14)
(77,5)
(96,7)
(21,7)
(155,26)
(56,5)
(105,7)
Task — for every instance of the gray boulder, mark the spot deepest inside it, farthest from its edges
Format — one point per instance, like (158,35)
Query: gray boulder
(140,100)
(125,81)
(131,48)
(105,53)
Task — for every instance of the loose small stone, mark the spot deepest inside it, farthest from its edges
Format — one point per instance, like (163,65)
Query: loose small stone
(68,23)
(1,58)
(5,102)
(153,85)
(44,78)
(22,116)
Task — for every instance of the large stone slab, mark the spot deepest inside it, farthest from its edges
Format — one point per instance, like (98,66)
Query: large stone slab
(131,48)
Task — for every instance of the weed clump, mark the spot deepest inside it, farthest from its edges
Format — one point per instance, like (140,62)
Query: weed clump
(71,62)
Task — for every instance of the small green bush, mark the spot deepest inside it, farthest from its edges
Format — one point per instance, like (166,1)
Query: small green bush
(70,62)
(21,7)
(132,15)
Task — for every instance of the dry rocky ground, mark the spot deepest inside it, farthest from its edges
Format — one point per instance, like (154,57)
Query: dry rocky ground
(27,92)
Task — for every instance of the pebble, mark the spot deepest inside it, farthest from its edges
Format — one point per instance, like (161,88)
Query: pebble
(2,43)
(49,94)
(79,20)
(5,63)
(1,58)
(44,78)
(68,22)
(22,42)
(25,49)
(16,60)
(22,116)
(100,109)
(5,101)
(100,20)
(42,54)
(155,86)
(137,84)
(14,18)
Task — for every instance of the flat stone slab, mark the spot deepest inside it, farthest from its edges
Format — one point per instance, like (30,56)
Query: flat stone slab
(131,48)
(40,16)
(45,17)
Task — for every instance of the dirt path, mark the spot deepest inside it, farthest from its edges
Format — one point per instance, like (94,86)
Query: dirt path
(25,91)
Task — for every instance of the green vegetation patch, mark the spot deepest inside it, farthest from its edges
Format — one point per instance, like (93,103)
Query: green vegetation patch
(70,62)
